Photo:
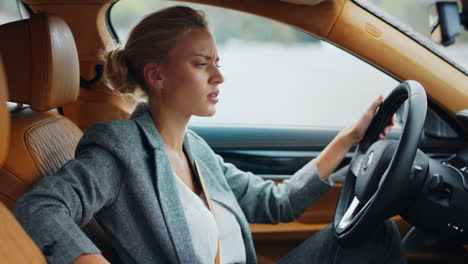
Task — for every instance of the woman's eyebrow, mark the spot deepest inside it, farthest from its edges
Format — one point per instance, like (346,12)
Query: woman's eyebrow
(206,57)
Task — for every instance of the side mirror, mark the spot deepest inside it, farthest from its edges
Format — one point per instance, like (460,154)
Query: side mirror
(448,21)
(448,26)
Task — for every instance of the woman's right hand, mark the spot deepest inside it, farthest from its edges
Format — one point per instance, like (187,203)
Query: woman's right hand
(357,130)
(334,153)
(91,259)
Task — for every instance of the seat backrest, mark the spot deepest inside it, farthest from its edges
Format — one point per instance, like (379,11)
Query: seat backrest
(4,117)
(15,245)
(43,73)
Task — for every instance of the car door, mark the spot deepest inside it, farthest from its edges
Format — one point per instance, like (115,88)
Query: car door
(275,154)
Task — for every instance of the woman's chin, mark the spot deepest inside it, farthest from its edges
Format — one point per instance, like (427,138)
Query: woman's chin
(207,113)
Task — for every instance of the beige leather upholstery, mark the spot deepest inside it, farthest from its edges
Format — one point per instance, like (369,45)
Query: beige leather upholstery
(16,246)
(45,75)
(42,72)
(47,81)
(4,120)
(40,143)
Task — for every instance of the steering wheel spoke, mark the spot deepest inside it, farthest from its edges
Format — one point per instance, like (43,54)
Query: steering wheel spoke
(352,210)
(356,166)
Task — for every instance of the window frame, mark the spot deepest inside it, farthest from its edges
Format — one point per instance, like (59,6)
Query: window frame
(406,30)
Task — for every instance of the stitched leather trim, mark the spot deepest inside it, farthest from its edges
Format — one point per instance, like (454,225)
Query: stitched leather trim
(52,144)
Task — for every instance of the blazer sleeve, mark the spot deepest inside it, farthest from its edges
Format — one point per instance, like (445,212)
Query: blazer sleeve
(266,202)
(53,211)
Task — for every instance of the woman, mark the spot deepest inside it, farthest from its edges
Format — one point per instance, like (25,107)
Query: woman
(160,192)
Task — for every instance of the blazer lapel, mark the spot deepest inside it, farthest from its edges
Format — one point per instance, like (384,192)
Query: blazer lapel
(214,190)
(220,196)
(172,209)
(144,121)
(181,250)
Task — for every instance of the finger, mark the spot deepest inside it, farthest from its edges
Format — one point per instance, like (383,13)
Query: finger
(376,104)
(381,136)
(387,130)
(384,133)
(393,121)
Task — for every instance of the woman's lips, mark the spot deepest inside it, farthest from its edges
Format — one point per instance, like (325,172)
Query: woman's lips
(213,97)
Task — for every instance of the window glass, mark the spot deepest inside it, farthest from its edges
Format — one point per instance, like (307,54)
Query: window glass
(9,11)
(415,15)
(275,74)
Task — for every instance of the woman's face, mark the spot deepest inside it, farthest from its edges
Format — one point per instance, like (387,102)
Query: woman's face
(191,76)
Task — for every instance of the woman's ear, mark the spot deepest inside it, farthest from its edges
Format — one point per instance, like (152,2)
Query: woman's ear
(152,74)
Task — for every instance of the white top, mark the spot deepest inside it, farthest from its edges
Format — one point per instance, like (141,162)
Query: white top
(206,231)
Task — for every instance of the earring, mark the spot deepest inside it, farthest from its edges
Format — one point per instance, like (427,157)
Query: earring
(157,88)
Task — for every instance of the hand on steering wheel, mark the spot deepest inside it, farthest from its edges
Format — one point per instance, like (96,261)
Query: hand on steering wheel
(359,128)
(374,189)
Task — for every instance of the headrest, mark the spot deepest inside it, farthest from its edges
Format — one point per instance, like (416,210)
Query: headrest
(4,117)
(43,66)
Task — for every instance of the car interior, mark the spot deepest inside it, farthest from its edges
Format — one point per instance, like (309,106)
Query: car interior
(17,247)
(50,70)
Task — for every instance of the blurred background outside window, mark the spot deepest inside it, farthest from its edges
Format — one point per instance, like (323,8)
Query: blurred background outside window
(275,75)
(8,11)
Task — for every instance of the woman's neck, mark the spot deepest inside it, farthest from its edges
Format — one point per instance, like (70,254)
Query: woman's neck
(171,127)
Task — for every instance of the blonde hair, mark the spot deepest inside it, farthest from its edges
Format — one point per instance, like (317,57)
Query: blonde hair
(151,40)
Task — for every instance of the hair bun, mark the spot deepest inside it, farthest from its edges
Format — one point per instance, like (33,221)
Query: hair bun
(116,72)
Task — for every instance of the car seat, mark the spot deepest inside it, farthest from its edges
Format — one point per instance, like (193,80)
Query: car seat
(42,74)
(15,246)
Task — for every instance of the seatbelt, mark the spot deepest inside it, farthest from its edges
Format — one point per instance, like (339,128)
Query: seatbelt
(208,200)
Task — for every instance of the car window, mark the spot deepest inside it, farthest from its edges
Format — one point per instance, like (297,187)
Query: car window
(275,75)
(413,17)
(9,11)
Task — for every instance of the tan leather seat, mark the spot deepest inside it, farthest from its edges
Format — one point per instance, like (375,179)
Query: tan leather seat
(4,117)
(42,73)
(15,245)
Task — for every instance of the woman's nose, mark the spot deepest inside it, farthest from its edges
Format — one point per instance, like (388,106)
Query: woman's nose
(217,77)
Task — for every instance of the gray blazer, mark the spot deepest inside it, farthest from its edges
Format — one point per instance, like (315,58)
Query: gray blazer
(121,174)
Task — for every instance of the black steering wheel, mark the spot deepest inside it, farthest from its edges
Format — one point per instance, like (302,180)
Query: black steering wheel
(373,190)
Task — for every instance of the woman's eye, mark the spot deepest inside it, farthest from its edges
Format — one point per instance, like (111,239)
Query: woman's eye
(203,64)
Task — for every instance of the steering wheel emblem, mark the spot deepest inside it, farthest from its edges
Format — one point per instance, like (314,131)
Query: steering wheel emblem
(368,161)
